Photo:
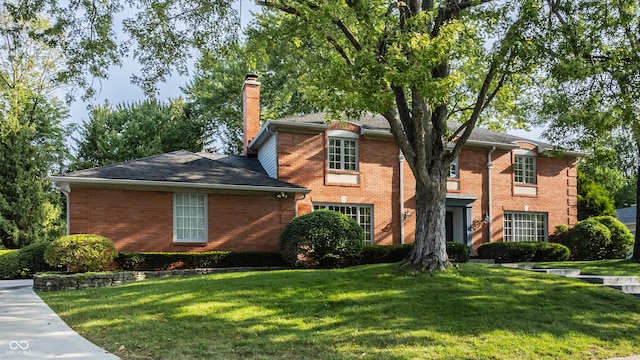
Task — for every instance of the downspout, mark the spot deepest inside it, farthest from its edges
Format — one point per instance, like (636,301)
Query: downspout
(304,196)
(489,192)
(401,195)
(65,189)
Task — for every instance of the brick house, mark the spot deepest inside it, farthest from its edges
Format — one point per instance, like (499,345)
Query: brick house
(501,188)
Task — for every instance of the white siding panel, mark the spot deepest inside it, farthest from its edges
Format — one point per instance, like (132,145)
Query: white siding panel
(268,157)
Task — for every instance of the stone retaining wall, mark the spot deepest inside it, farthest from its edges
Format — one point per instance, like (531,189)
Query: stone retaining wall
(55,282)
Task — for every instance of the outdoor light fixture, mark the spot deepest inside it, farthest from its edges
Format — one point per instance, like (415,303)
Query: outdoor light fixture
(485,219)
(281,195)
(407,215)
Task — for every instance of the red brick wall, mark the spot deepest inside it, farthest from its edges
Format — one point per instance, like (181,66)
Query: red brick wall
(302,160)
(138,220)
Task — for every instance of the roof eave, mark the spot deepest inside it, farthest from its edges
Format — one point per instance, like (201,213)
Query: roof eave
(271,125)
(174,184)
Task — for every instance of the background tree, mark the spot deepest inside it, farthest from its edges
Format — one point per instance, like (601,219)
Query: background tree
(214,92)
(595,72)
(593,198)
(131,131)
(31,136)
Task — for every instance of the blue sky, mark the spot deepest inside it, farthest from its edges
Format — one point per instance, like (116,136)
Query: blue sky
(118,88)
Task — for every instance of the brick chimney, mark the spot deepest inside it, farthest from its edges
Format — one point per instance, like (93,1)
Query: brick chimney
(250,111)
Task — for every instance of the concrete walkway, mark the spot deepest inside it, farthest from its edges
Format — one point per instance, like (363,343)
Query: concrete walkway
(29,329)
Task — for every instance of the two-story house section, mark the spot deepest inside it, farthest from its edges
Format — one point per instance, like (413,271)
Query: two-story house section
(501,188)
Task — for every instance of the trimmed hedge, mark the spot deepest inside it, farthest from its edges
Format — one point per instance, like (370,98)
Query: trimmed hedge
(505,252)
(588,240)
(81,252)
(376,254)
(183,260)
(23,263)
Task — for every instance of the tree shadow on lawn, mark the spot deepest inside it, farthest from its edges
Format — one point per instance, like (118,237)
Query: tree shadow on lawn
(373,311)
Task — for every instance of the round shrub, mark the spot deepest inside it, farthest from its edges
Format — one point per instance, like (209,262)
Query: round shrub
(321,238)
(588,240)
(621,238)
(81,252)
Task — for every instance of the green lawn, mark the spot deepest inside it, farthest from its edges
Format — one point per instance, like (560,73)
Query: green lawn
(366,312)
(600,267)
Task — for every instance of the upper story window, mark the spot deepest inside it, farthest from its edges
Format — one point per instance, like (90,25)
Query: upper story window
(524,169)
(343,150)
(190,218)
(453,169)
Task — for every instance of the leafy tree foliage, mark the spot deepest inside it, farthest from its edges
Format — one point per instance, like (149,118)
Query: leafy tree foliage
(593,199)
(595,72)
(131,131)
(31,137)
(214,92)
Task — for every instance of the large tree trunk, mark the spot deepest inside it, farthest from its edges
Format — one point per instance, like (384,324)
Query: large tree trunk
(429,250)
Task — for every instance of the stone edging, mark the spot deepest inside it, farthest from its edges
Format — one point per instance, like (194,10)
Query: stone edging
(55,282)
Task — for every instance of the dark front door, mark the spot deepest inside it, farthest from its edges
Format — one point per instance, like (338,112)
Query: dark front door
(448,223)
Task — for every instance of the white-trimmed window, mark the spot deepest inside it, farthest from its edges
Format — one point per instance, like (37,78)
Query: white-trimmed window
(343,154)
(363,214)
(342,151)
(525,226)
(453,169)
(524,169)
(189,218)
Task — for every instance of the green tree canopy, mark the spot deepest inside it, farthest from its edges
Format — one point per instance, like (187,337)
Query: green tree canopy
(131,131)
(214,92)
(31,136)
(595,68)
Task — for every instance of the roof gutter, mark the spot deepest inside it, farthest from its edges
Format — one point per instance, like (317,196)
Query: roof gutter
(126,182)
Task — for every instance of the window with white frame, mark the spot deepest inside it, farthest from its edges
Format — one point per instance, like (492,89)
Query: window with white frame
(190,218)
(524,169)
(343,154)
(453,168)
(363,214)
(525,226)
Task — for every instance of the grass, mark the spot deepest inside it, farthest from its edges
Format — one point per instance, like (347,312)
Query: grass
(598,267)
(366,312)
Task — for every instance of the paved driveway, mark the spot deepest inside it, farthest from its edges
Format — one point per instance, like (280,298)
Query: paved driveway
(29,329)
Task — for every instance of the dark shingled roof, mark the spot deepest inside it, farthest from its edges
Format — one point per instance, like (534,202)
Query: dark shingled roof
(627,215)
(186,167)
(378,122)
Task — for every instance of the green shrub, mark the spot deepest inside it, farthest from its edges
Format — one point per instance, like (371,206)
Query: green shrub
(81,252)
(23,263)
(588,240)
(378,254)
(505,252)
(457,252)
(546,251)
(9,264)
(322,238)
(560,234)
(183,260)
(32,259)
(621,238)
